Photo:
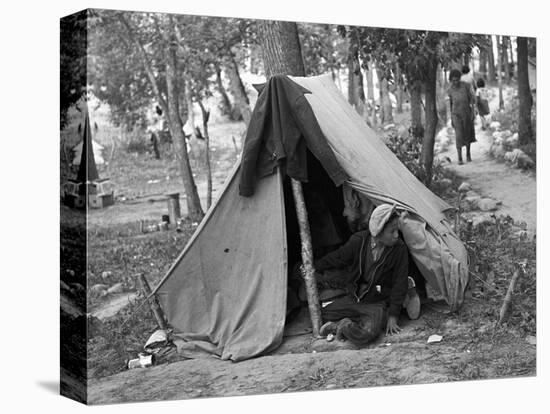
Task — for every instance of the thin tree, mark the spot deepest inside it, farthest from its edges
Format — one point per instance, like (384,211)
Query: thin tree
(282,56)
(525,130)
(499,67)
(386,116)
(370,93)
(415,91)
(505,59)
(513,66)
(490,60)
(399,88)
(169,104)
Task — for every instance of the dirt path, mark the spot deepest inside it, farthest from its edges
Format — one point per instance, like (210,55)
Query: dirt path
(466,351)
(113,305)
(517,190)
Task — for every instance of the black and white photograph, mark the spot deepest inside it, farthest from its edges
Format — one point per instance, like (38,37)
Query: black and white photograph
(264,206)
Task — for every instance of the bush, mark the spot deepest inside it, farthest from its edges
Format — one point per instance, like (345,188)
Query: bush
(408,150)
(138,146)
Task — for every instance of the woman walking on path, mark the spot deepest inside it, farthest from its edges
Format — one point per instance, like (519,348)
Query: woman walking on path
(462,103)
(482,99)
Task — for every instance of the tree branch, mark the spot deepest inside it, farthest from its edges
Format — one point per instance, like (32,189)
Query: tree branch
(146,63)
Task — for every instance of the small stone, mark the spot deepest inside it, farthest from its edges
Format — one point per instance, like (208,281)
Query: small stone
(531,340)
(116,288)
(495,125)
(445,182)
(512,141)
(506,134)
(487,204)
(98,288)
(480,219)
(402,131)
(498,151)
(473,201)
(464,187)
(106,275)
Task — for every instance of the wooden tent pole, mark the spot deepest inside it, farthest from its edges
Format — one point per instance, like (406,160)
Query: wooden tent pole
(307,257)
(155,307)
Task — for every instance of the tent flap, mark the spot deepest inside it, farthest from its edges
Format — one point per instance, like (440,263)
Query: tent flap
(229,288)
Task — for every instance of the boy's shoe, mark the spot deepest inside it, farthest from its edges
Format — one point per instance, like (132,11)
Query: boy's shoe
(412,301)
(328,328)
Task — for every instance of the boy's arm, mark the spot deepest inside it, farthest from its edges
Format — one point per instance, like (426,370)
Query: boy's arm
(341,257)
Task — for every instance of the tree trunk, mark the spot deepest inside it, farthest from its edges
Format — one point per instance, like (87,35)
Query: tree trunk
(281,48)
(525,130)
(400,93)
(483,62)
(416,109)
(490,60)
(371,105)
(499,66)
(431,121)
(170,108)
(176,123)
(205,117)
(385,101)
(226,106)
(237,88)
(190,112)
(282,56)
(356,94)
(506,62)
(513,65)
(441,93)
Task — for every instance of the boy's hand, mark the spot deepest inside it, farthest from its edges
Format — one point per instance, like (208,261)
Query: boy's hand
(391,326)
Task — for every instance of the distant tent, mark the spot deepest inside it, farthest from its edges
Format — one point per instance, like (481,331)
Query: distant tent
(88,190)
(97,149)
(226,293)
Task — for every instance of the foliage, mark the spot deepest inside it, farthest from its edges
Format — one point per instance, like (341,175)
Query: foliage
(73,60)
(323,49)
(495,249)
(138,146)
(125,252)
(119,77)
(408,150)
(413,50)
(509,120)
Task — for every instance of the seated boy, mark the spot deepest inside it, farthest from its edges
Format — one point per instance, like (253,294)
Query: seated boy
(371,267)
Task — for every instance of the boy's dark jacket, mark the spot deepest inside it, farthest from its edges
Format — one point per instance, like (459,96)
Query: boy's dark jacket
(390,271)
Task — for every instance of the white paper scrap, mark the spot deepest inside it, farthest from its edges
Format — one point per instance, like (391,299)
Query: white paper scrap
(435,338)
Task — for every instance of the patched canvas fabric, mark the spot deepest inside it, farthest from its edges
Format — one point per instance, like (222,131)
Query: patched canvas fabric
(226,294)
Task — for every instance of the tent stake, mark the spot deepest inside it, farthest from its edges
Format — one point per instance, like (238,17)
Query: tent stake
(508,298)
(307,257)
(155,307)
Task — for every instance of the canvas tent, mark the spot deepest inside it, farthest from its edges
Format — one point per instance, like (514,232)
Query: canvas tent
(226,292)
(97,150)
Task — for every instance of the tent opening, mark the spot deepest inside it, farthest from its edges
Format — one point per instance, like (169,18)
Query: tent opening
(329,227)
